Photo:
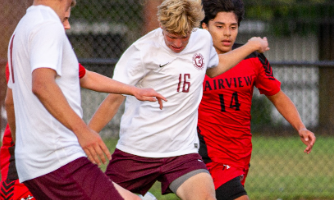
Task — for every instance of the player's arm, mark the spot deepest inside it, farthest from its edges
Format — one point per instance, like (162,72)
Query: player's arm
(9,106)
(100,83)
(106,111)
(232,58)
(288,110)
(48,92)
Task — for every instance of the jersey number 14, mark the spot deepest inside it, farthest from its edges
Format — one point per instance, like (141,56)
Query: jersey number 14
(234,104)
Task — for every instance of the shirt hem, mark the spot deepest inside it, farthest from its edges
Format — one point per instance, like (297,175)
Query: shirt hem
(155,155)
(54,167)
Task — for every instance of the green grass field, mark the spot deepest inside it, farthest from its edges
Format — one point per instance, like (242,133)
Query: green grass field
(281,170)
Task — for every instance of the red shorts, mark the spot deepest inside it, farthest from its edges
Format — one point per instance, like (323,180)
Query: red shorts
(79,180)
(138,174)
(14,190)
(223,173)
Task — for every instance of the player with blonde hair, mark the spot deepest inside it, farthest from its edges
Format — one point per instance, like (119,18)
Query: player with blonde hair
(162,145)
(180,17)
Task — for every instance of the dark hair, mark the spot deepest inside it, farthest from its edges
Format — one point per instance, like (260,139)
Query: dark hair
(213,7)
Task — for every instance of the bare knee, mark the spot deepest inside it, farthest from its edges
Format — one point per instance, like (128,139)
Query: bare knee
(197,187)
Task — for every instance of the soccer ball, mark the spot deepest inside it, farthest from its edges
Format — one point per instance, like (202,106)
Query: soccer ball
(148,196)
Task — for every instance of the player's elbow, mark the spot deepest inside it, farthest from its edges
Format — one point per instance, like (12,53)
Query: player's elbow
(38,89)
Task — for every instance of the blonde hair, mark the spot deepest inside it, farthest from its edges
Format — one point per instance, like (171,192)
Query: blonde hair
(180,16)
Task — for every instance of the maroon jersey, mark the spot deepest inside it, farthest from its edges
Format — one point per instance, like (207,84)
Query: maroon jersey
(225,110)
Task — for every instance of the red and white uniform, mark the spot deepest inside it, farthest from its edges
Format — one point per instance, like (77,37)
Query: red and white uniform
(225,114)
(11,188)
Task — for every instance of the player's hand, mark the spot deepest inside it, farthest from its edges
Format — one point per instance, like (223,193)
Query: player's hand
(308,138)
(261,44)
(148,94)
(94,147)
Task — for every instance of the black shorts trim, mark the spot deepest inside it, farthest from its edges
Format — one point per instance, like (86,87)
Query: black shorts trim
(231,190)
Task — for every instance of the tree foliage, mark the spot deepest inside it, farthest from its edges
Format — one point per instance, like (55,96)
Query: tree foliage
(291,16)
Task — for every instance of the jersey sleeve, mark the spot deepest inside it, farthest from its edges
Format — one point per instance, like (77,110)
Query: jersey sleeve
(265,81)
(214,59)
(7,72)
(82,71)
(130,69)
(47,47)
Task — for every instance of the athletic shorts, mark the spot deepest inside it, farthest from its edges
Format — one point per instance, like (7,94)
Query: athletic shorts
(231,190)
(222,173)
(14,190)
(79,180)
(138,174)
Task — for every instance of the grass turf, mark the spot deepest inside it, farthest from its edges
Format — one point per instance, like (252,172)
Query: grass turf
(281,170)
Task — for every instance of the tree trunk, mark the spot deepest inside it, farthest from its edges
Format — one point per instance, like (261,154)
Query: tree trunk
(326,78)
(150,15)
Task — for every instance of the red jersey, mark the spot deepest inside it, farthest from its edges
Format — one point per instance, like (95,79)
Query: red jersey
(82,71)
(10,186)
(225,111)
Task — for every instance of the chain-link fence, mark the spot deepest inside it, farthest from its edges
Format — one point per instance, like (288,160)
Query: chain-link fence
(302,45)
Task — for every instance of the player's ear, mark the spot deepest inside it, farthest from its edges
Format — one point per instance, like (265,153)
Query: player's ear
(204,26)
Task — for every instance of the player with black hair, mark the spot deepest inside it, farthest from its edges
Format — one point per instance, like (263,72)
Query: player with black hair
(225,110)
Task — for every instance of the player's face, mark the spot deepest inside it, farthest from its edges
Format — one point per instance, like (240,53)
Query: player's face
(63,8)
(66,22)
(176,42)
(224,30)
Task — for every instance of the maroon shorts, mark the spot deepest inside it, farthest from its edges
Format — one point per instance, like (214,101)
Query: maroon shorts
(138,174)
(79,179)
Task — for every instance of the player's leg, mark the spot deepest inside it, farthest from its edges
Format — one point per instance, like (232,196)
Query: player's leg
(188,177)
(231,190)
(197,187)
(134,173)
(79,179)
(228,181)
(21,192)
(126,194)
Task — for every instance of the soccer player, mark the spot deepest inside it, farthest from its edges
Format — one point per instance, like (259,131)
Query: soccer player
(11,188)
(163,144)
(224,113)
(52,139)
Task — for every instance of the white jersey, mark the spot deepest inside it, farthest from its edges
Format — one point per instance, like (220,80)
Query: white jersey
(43,144)
(146,130)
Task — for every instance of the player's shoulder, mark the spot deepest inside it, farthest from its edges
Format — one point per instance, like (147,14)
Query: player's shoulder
(201,33)
(43,17)
(151,37)
(148,42)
